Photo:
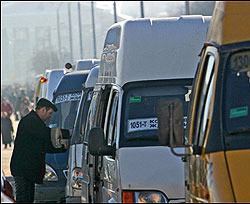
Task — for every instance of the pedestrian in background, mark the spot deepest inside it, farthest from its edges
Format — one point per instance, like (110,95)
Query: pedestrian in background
(33,141)
(21,95)
(6,106)
(13,99)
(6,129)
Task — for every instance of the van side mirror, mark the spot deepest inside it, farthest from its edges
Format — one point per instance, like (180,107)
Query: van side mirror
(96,143)
(68,65)
(171,124)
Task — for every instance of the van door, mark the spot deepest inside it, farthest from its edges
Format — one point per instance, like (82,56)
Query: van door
(96,117)
(109,168)
(202,107)
(85,154)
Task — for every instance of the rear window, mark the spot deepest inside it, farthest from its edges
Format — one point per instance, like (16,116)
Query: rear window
(113,38)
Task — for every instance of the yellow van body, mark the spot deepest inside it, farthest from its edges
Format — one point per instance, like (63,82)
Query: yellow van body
(218,166)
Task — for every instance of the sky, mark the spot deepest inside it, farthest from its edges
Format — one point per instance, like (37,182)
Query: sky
(125,9)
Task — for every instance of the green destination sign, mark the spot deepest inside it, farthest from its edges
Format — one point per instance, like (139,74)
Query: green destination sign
(135,99)
(239,112)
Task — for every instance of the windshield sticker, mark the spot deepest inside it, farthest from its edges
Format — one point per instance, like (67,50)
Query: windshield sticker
(135,99)
(238,112)
(68,97)
(142,124)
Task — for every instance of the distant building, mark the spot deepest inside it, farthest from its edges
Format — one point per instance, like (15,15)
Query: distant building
(28,27)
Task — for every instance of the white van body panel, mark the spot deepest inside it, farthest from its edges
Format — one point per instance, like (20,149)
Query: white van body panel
(92,77)
(76,150)
(76,161)
(78,153)
(86,64)
(149,49)
(53,76)
(68,188)
(157,44)
(151,168)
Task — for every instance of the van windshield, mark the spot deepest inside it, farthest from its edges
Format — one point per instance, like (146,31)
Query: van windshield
(140,117)
(67,105)
(237,93)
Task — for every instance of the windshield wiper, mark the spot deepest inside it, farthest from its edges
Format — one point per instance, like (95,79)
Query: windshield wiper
(240,131)
(151,138)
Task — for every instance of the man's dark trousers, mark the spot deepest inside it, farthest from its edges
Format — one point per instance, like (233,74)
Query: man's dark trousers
(25,190)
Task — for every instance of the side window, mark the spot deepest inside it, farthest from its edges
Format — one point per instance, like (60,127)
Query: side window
(204,119)
(84,113)
(203,100)
(97,111)
(91,115)
(111,123)
(102,107)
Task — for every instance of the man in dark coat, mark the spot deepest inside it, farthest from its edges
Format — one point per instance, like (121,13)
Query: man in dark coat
(33,141)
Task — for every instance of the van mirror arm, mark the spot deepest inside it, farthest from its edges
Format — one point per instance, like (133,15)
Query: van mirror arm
(107,151)
(172,145)
(182,155)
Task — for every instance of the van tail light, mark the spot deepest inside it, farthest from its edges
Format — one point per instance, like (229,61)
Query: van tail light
(43,79)
(127,197)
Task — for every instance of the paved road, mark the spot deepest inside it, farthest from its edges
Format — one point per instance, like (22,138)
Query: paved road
(6,153)
(6,156)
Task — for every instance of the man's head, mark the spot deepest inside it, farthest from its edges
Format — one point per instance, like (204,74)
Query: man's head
(45,109)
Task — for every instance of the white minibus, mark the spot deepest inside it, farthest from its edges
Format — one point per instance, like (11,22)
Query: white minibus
(143,61)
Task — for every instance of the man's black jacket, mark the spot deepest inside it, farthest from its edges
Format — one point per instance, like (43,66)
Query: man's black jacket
(32,142)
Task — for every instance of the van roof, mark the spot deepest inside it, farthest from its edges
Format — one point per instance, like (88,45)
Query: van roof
(72,82)
(92,77)
(53,77)
(230,22)
(54,70)
(86,64)
(156,48)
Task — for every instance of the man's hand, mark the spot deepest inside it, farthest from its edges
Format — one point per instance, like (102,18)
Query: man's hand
(66,146)
(65,143)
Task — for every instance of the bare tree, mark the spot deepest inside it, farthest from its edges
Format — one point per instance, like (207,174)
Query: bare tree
(44,59)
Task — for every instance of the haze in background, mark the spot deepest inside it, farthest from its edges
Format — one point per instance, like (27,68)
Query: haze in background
(30,32)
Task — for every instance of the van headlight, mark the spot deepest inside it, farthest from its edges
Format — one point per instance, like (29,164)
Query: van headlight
(50,174)
(143,197)
(76,179)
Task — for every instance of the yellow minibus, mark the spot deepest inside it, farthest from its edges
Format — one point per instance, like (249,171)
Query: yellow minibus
(217,139)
